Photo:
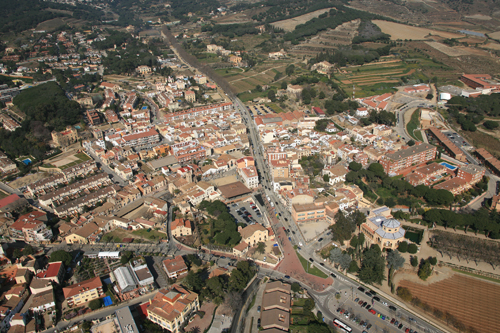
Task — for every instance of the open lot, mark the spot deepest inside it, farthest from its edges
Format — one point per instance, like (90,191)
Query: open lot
(402,31)
(472,301)
(449,51)
(290,24)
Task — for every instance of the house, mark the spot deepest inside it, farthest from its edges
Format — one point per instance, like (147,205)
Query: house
(42,302)
(253,234)
(190,96)
(250,176)
(180,227)
(336,173)
(11,203)
(66,137)
(275,318)
(88,234)
(29,228)
(383,231)
(175,268)
(240,249)
(84,291)
(172,306)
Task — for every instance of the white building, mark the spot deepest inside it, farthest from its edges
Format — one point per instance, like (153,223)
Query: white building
(250,176)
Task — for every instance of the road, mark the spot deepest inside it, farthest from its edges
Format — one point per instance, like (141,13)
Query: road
(117,179)
(102,313)
(9,189)
(297,238)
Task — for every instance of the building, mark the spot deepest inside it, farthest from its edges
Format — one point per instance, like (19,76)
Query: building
(488,160)
(318,111)
(93,117)
(401,161)
(294,91)
(471,173)
(180,227)
(126,321)
(42,302)
(385,232)
(54,272)
(125,279)
(308,212)
(449,146)
(482,81)
(171,307)
(87,234)
(336,173)
(233,191)
(250,176)
(190,96)
(11,203)
(148,137)
(254,234)
(275,319)
(427,174)
(83,292)
(66,137)
(29,228)
(175,268)
(454,185)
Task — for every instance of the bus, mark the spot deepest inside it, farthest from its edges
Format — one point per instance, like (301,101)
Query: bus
(343,327)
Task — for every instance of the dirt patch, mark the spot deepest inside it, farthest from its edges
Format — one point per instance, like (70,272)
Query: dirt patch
(449,51)
(290,24)
(23,181)
(492,46)
(401,31)
(494,35)
(479,17)
(471,300)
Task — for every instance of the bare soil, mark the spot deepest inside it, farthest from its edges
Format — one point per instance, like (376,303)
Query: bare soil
(290,24)
(401,31)
(31,178)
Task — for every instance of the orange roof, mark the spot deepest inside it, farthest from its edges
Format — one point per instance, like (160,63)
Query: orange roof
(78,288)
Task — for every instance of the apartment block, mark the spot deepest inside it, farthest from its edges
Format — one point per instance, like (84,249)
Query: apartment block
(472,174)
(308,212)
(398,162)
(148,137)
(250,176)
(83,292)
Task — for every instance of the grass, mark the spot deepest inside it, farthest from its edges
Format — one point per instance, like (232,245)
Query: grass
(413,125)
(151,235)
(476,275)
(384,193)
(83,157)
(3,195)
(252,303)
(313,270)
(275,107)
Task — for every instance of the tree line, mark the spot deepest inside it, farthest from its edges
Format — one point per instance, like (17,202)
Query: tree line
(223,227)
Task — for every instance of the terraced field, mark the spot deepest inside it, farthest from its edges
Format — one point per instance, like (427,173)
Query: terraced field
(472,301)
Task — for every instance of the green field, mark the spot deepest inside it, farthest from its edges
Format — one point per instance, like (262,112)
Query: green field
(413,125)
(311,270)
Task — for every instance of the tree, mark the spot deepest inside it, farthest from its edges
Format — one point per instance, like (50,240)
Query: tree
(343,227)
(412,248)
(425,270)
(261,247)
(361,239)
(354,166)
(233,301)
(193,282)
(372,265)
(28,250)
(61,255)
(403,247)
(17,253)
(404,293)
(335,254)
(354,241)
(316,327)
(321,95)
(345,261)
(433,261)
(394,260)
(490,124)
(411,143)
(414,261)
(290,69)
(377,169)
(126,256)
(353,267)
(271,95)
(326,178)
(95,304)
(296,287)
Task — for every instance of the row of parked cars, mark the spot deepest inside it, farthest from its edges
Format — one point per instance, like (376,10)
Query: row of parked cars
(352,317)
(394,321)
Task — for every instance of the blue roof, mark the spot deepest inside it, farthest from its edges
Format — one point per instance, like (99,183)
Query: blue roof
(107,301)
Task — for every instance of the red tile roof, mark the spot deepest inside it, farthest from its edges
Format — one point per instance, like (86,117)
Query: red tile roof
(78,288)
(51,271)
(10,199)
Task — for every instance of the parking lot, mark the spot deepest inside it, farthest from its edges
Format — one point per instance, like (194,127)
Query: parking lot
(244,213)
(457,140)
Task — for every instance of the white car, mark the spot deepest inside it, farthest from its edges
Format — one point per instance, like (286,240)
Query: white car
(300,244)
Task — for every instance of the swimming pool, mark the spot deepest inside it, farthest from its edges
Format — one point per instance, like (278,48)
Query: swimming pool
(27,161)
(449,166)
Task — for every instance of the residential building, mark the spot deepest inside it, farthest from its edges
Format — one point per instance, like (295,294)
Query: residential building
(83,292)
(29,228)
(54,272)
(126,321)
(446,143)
(12,203)
(250,176)
(42,302)
(488,160)
(93,117)
(66,137)
(89,233)
(172,306)
(403,160)
(427,174)
(253,234)
(175,268)
(454,185)
(336,173)
(471,173)
(148,137)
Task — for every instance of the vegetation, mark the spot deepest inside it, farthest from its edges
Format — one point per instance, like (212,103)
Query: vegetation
(61,255)
(223,229)
(126,256)
(95,304)
(382,117)
(369,32)
(344,225)
(342,259)
(311,269)
(372,265)
(312,164)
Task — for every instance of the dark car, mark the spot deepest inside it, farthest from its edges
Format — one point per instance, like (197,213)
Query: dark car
(361,289)
(258,308)
(319,240)
(400,326)
(392,307)
(360,302)
(338,310)
(311,259)
(369,326)
(368,307)
(287,276)
(364,304)
(376,299)
(293,232)
(258,322)
(368,294)
(322,264)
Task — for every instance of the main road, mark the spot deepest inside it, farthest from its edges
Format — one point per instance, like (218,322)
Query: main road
(306,251)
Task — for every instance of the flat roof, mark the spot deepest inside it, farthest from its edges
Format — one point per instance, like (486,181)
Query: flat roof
(126,320)
(233,190)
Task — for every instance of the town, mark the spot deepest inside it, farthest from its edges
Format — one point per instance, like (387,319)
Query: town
(142,191)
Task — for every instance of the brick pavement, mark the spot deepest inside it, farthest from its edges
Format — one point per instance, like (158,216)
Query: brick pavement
(204,323)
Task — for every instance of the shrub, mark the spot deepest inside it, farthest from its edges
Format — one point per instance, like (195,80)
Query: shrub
(433,261)
(412,248)
(295,287)
(403,247)
(404,293)
(95,304)
(414,261)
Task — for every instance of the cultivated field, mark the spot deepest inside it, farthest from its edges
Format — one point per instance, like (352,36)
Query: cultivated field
(290,24)
(449,51)
(494,35)
(492,46)
(401,31)
(373,78)
(474,302)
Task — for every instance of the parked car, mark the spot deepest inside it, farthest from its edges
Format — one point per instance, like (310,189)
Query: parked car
(372,311)
(258,309)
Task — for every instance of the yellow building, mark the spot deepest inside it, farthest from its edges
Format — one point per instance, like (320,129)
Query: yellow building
(84,291)
(87,234)
(385,232)
(172,306)
(254,234)
(180,228)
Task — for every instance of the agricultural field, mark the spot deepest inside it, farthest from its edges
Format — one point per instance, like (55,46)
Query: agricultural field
(290,24)
(472,301)
(449,51)
(403,32)
(261,74)
(374,78)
